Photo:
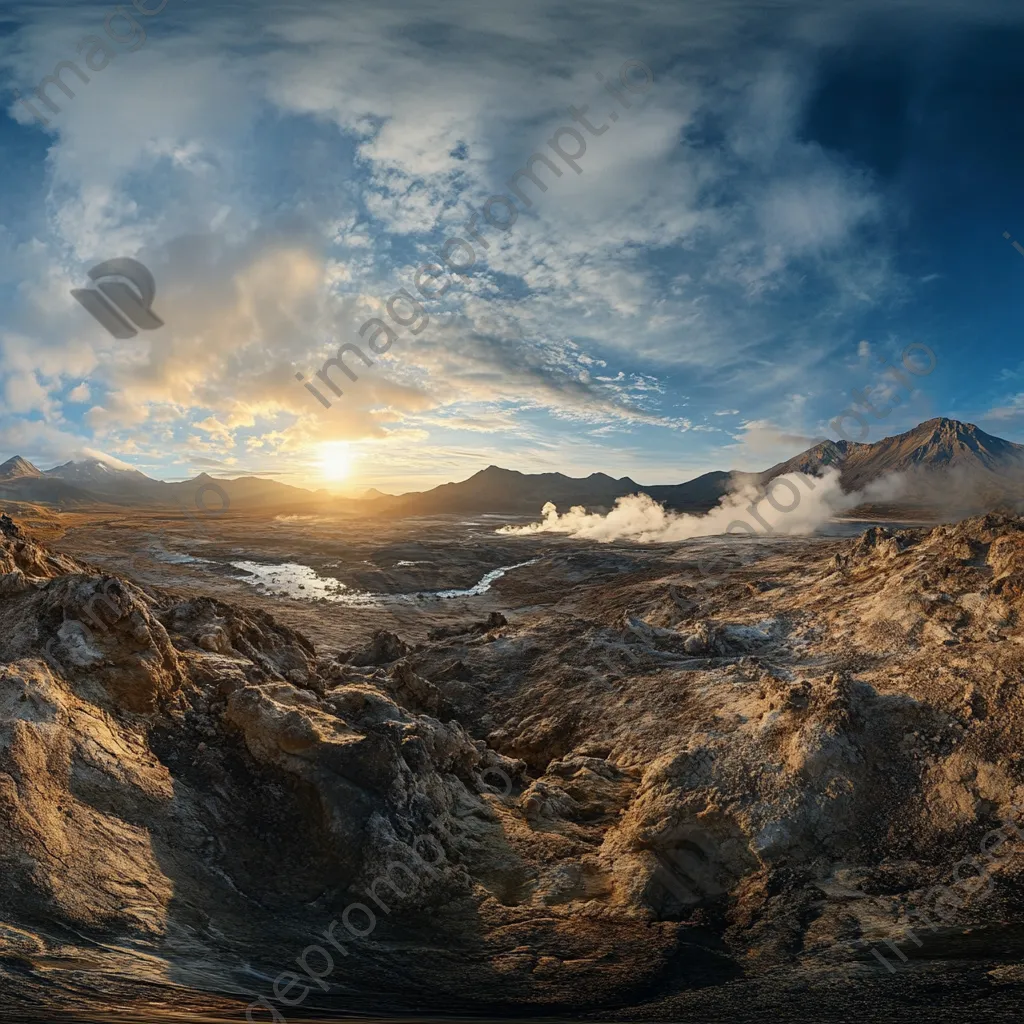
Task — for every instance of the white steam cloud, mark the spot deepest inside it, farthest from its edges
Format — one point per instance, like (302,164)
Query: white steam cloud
(791,504)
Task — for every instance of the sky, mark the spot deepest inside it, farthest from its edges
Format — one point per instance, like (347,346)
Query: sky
(791,200)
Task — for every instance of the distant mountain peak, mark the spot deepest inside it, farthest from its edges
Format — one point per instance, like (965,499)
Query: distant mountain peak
(942,434)
(936,444)
(14,469)
(820,456)
(940,426)
(92,469)
(944,421)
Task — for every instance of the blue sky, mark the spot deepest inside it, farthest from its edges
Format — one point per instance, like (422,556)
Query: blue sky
(802,190)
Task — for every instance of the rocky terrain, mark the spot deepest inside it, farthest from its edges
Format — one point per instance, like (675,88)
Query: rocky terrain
(789,781)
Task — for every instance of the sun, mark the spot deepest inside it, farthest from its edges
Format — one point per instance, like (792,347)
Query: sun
(335,460)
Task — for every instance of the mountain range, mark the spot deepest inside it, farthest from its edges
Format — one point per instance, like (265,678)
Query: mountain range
(935,455)
(92,482)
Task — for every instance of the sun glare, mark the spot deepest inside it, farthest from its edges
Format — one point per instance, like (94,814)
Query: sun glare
(335,460)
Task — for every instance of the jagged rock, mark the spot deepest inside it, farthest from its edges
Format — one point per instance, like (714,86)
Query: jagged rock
(13,583)
(384,648)
(703,640)
(18,552)
(695,643)
(495,620)
(281,652)
(413,690)
(457,671)
(879,540)
(104,631)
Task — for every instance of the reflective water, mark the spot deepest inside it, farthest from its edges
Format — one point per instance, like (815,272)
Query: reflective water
(292,579)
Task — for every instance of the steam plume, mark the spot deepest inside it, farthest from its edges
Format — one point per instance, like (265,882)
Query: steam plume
(802,503)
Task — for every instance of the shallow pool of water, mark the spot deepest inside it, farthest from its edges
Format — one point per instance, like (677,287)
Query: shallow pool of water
(298,581)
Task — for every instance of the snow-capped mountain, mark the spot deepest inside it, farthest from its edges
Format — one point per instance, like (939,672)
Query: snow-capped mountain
(94,472)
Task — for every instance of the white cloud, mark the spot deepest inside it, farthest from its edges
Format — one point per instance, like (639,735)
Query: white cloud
(761,443)
(1011,408)
(110,460)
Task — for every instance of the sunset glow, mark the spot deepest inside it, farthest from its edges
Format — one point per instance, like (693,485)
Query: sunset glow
(335,460)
